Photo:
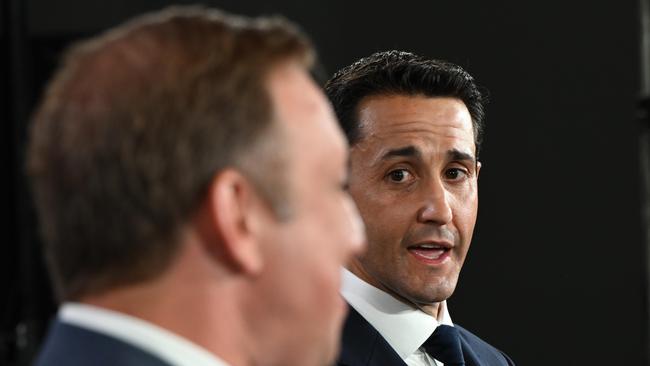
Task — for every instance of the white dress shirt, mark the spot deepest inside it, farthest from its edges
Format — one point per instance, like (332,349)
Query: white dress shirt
(155,340)
(405,328)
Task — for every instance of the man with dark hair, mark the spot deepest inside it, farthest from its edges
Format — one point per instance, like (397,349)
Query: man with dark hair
(414,126)
(189,178)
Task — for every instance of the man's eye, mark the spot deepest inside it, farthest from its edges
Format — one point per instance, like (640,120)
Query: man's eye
(456,174)
(399,175)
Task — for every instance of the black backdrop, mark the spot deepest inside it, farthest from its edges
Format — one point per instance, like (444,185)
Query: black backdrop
(556,273)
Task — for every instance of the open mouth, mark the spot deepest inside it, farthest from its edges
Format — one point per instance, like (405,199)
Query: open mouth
(430,253)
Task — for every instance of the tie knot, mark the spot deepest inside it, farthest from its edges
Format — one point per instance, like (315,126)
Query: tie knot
(444,346)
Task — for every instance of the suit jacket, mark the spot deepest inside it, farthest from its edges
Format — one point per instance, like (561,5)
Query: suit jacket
(71,345)
(362,345)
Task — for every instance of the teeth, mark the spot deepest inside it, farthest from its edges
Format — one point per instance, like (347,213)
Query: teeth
(430,254)
(430,246)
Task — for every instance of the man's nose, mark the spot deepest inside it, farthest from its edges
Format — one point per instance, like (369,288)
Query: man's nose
(435,204)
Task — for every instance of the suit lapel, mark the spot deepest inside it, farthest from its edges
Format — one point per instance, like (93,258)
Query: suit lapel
(471,358)
(362,345)
(479,353)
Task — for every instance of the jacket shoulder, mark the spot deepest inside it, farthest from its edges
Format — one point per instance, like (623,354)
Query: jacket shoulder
(71,345)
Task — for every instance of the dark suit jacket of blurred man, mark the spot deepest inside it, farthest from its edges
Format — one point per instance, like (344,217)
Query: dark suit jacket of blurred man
(76,346)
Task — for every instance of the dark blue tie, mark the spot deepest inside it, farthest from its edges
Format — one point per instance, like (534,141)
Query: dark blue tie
(444,346)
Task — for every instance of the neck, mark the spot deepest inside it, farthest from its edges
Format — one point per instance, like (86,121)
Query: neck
(191,299)
(432,308)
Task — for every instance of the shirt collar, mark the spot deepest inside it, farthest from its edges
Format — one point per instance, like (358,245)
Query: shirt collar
(160,342)
(405,328)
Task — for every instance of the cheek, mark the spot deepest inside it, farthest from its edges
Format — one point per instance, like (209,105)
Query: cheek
(310,279)
(464,208)
(384,250)
(382,213)
(331,230)
(321,234)
(381,235)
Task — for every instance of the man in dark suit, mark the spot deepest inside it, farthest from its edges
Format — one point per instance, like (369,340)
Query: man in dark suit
(189,179)
(414,126)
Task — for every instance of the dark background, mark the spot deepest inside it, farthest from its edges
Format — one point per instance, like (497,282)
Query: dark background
(557,271)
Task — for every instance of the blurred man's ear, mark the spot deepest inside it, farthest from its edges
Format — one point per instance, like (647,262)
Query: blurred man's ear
(235,213)
(478,168)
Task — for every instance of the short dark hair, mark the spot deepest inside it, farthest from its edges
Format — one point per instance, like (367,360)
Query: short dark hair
(402,73)
(135,125)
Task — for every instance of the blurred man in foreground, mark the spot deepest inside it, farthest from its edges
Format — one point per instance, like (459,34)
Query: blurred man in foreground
(190,183)
(414,126)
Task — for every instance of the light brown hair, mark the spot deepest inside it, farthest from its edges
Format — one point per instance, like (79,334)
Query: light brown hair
(134,126)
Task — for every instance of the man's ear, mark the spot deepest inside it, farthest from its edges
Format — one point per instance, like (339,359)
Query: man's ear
(478,168)
(235,214)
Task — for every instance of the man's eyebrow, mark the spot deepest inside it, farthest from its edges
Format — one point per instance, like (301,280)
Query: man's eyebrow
(407,151)
(454,154)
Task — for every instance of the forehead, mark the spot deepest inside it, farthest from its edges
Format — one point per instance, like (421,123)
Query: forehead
(400,119)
